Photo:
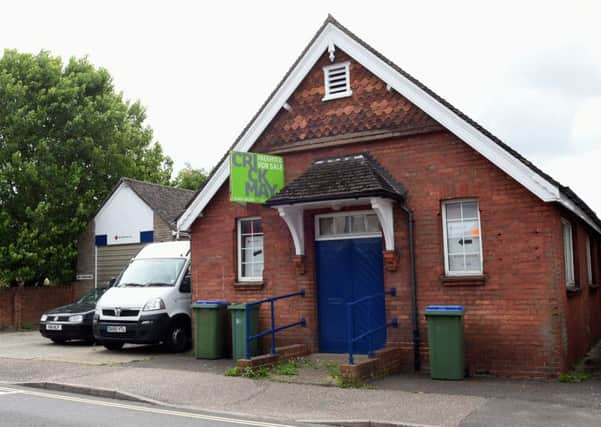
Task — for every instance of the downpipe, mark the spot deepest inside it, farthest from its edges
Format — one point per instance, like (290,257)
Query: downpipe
(413,284)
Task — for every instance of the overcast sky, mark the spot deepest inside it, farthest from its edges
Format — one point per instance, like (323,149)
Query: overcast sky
(530,72)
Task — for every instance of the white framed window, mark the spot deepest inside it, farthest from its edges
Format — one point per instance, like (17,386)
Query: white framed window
(250,249)
(337,81)
(347,225)
(568,252)
(589,261)
(462,237)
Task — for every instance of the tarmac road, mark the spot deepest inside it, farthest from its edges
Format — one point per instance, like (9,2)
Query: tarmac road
(20,406)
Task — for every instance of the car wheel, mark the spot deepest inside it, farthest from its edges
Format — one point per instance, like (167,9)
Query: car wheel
(113,345)
(58,340)
(178,338)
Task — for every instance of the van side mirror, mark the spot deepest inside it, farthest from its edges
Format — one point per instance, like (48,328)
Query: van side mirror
(112,282)
(186,285)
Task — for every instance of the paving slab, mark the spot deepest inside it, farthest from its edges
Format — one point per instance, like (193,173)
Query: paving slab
(512,413)
(20,370)
(584,394)
(31,345)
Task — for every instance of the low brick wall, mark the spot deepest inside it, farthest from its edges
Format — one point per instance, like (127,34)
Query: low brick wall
(19,306)
(387,361)
(283,353)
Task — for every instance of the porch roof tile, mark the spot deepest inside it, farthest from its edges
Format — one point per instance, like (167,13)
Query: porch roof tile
(350,176)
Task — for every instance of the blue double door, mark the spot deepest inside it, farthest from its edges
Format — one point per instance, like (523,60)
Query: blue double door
(347,270)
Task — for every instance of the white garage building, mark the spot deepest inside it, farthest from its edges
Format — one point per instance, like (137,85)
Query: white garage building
(135,213)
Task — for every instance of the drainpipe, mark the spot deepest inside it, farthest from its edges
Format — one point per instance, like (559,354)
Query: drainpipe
(413,283)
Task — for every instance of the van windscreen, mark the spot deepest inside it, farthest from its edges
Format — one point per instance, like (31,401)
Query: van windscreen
(152,272)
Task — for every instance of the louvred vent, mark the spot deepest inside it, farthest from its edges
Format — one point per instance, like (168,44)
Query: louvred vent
(337,81)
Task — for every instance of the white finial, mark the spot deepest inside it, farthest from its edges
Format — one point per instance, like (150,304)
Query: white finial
(331,50)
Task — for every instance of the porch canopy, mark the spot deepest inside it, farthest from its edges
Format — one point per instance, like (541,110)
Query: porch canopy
(336,182)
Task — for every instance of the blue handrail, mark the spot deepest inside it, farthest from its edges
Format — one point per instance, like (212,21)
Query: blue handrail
(273,329)
(351,338)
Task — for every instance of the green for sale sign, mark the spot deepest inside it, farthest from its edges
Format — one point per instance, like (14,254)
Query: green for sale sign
(254,177)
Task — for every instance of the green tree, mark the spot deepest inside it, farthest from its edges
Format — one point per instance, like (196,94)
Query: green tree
(66,137)
(190,178)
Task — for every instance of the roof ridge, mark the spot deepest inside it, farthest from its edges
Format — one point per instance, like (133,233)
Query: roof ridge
(169,187)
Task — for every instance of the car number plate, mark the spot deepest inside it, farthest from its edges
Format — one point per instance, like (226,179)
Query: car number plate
(54,327)
(116,329)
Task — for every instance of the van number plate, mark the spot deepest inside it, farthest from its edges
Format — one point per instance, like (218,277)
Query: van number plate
(116,329)
(51,327)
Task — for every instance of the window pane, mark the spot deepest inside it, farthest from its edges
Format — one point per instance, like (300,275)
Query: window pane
(257,226)
(453,210)
(245,226)
(358,223)
(455,230)
(568,252)
(258,270)
(456,263)
(471,229)
(589,260)
(341,224)
(453,245)
(373,225)
(253,242)
(472,263)
(469,210)
(471,244)
(326,226)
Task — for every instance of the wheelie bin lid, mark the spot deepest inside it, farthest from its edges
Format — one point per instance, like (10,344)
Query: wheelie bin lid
(241,306)
(208,304)
(444,310)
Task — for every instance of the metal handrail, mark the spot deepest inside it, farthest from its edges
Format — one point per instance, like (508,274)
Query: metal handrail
(273,329)
(351,339)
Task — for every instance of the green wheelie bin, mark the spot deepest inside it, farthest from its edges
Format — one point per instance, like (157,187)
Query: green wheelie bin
(445,340)
(239,330)
(210,329)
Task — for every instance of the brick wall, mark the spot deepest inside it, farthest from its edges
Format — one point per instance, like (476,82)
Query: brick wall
(20,306)
(515,321)
(581,322)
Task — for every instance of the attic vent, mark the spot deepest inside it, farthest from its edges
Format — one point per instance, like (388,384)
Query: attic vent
(337,81)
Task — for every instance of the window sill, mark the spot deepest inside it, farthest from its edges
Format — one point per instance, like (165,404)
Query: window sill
(249,286)
(463,280)
(573,290)
(337,96)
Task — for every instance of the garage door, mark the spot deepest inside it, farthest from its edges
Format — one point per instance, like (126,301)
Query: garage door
(111,260)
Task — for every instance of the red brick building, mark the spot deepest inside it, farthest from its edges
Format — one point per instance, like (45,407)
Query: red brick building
(382,173)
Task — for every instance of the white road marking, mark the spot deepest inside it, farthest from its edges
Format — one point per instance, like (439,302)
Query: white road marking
(4,390)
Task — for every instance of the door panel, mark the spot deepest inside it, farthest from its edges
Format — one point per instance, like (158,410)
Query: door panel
(112,260)
(347,270)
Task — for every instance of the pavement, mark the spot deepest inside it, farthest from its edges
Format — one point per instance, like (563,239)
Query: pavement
(182,381)
(29,407)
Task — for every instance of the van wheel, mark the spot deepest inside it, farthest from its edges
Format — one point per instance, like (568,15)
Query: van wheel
(178,338)
(113,345)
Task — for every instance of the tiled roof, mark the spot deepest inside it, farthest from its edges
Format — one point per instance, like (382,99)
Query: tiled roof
(346,177)
(167,202)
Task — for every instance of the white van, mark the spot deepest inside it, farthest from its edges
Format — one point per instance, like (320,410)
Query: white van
(150,301)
